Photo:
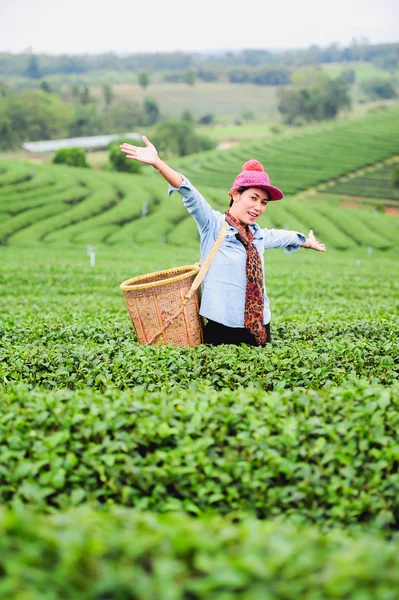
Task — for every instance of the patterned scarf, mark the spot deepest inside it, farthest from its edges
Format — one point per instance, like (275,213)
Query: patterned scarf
(254,301)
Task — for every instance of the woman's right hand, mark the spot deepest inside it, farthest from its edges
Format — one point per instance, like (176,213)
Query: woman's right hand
(148,155)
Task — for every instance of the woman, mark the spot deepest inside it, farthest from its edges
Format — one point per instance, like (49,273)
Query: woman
(234,299)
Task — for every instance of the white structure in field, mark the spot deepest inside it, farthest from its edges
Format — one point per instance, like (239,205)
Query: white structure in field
(94,141)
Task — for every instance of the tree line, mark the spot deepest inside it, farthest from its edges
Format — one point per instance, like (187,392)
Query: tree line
(208,67)
(41,114)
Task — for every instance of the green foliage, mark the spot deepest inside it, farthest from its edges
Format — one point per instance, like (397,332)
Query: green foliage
(297,160)
(207,75)
(86,121)
(190,76)
(84,96)
(395,176)
(32,115)
(377,88)
(303,431)
(122,116)
(124,554)
(174,137)
(33,70)
(88,417)
(118,159)
(260,76)
(322,100)
(375,183)
(283,453)
(207,119)
(187,116)
(108,94)
(46,87)
(349,75)
(388,61)
(73,157)
(143,79)
(209,67)
(151,112)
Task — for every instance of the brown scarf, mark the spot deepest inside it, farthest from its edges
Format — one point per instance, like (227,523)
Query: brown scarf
(254,300)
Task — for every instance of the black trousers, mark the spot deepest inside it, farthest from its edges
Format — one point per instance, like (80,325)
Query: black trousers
(217,334)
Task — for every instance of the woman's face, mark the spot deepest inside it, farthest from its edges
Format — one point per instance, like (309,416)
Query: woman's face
(249,205)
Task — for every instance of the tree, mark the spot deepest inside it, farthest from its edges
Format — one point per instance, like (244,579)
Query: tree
(377,88)
(289,104)
(323,100)
(86,121)
(123,116)
(190,77)
(174,137)
(388,61)
(143,79)
(36,115)
(108,94)
(9,137)
(349,75)
(72,157)
(151,111)
(208,75)
(207,119)
(84,96)
(72,64)
(187,116)
(306,76)
(118,159)
(33,70)
(46,87)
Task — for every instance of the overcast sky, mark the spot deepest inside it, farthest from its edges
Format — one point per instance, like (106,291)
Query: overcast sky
(129,26)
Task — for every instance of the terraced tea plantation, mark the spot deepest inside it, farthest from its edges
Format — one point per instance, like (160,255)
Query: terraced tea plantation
(161,473)
(372,183)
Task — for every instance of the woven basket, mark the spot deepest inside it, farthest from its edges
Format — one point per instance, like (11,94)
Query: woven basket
(159,309)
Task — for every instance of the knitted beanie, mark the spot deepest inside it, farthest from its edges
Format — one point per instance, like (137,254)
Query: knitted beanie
(253,175)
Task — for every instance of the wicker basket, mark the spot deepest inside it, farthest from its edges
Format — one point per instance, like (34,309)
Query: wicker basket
(159,309)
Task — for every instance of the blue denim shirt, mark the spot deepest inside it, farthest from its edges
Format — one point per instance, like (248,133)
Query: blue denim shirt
(224,285)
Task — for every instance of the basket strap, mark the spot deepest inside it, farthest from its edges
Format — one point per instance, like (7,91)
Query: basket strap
(196,283)
(207,262)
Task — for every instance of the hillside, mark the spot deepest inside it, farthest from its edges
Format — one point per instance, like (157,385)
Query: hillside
(55,204)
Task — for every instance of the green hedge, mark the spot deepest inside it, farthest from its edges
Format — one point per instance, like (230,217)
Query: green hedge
(124,555)
(15,173)
(326,457)
(101,350)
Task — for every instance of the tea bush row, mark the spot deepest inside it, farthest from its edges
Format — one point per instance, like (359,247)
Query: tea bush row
(296,161)
(376,184)
(123,554)
(315,456)
(62,355)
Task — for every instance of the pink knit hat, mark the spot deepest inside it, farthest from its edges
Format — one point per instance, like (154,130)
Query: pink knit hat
(253,175)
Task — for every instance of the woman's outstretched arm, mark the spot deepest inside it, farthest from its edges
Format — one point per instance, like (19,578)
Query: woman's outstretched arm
(149,156)
(195,203)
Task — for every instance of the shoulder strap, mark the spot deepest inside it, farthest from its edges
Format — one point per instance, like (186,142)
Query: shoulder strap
(207,262)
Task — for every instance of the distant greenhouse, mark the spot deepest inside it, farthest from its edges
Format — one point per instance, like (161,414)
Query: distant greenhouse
(94,141)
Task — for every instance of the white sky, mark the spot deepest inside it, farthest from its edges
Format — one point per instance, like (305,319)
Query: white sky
(93,26)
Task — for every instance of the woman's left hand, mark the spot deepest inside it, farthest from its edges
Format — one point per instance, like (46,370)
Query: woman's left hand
(314,244)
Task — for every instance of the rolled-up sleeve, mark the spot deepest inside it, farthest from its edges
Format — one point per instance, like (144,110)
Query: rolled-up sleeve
(195,203)
(282,238)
